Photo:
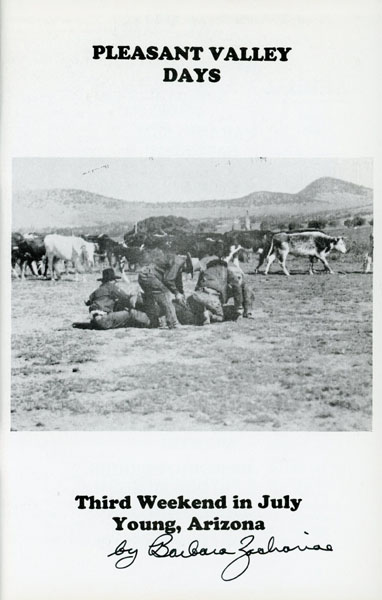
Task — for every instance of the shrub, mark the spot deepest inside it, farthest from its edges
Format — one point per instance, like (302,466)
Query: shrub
(317,224)
(265,225)
(294,225)
(359,221)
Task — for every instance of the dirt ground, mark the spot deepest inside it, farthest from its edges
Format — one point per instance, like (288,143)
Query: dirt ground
(304,363)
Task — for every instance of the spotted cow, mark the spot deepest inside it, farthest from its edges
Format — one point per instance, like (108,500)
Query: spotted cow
(312,244)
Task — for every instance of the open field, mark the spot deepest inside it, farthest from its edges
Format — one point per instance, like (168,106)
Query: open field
(304,363)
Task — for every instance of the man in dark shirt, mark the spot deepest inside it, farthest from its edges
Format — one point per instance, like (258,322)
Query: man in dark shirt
(219,280)
(111,308)
(159,280)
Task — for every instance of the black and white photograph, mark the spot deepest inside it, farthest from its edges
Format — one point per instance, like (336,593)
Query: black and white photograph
(192,294)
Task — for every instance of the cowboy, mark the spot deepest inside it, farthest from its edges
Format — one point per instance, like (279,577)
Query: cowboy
(111,308)
(158,281)
(218,281)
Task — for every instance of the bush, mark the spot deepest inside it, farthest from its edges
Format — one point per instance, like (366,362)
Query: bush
(265,225)
(282,225)
(317,224)
(293,225)
(356,222)
(359,221)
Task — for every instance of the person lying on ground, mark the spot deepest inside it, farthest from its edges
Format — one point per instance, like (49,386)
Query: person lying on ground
(110,307)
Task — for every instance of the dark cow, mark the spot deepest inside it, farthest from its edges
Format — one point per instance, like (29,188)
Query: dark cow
(197,245)
(141,239)
(313,243)
(28,251)
(16,255)
(254,240)
(107,248)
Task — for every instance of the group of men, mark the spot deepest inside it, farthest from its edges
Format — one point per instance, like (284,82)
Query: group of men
(161,301)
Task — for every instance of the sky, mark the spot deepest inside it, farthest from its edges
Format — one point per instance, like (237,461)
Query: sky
(184,179)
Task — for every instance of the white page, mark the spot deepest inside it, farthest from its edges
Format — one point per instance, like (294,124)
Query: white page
(60,103)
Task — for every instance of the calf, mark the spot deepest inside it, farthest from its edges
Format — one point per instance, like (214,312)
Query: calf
(313,244)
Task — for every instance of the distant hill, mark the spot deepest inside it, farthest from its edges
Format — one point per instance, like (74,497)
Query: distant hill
(42,210)
(324,186)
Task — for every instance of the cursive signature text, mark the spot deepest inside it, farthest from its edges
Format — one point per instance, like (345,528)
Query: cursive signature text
(162,547)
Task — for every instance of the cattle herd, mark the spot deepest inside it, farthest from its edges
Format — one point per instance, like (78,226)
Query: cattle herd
(43,255)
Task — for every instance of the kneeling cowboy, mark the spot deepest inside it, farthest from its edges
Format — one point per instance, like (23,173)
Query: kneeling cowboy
(217,282)
(111,308)
(158,280)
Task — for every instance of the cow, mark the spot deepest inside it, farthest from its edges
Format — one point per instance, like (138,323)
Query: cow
(110,250)
(141,246)
(149,240)
(314,244)
(61,247)
(104,247)
(196,244)
(16,255)
(199,245)
(255,241)
(368,258)
(27,251)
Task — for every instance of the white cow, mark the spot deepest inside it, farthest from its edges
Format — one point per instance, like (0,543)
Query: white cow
(62,247)
(312,244)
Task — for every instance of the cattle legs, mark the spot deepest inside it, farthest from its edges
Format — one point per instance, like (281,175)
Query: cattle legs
(328,269)
(52,262)
(261,259)
(282,260)
(367,263)
(270,260)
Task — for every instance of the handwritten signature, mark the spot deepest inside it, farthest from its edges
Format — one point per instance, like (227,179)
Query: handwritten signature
(160,548)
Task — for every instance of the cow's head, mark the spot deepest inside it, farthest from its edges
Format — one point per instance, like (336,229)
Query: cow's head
(339,245)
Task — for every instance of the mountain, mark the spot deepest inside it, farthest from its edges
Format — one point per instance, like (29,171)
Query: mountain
(42,210)
(324,188)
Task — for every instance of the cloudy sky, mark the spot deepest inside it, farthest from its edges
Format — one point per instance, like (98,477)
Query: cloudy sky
(184,179)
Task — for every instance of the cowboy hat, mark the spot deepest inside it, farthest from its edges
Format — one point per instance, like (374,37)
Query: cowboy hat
(108,275)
